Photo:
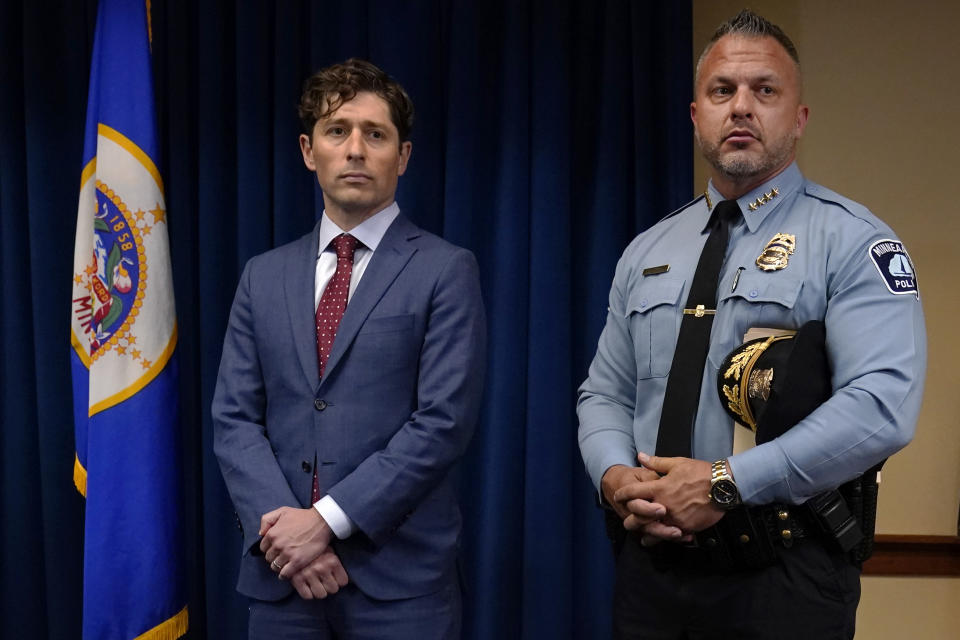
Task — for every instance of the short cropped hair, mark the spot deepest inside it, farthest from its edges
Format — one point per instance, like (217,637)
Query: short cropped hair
(328,89)
(750,25)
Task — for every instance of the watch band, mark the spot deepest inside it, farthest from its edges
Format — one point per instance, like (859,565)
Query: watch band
(720,471)
(723,490)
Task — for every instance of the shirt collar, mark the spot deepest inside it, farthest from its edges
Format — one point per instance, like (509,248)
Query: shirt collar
(758,203)
(369,232)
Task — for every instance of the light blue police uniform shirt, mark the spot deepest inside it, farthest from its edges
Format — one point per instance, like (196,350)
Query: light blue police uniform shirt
(848,269)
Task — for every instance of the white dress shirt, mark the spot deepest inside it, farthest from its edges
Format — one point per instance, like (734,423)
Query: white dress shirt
(369,233)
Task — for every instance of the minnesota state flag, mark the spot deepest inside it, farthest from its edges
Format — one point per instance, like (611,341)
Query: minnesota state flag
(124,334)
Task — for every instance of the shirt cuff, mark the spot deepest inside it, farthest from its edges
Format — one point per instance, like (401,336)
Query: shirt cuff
(759,479)
(338,521)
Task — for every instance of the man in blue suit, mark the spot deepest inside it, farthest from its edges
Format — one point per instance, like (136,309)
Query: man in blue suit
(348,390)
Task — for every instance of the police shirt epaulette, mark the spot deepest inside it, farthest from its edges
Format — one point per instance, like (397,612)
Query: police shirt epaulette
(683,208)
(852,206)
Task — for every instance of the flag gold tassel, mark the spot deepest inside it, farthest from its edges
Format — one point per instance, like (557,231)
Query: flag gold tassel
(170,629)
(79,476)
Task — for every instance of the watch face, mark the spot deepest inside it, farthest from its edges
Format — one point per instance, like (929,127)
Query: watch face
(724,493)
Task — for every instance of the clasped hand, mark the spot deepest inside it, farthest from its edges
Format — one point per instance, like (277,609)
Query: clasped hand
(665,498)
(296,544)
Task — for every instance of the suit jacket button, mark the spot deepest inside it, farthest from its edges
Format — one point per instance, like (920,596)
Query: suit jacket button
(319,404)
(305,466)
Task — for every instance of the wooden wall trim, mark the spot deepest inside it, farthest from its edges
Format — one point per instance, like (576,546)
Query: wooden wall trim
(903,555)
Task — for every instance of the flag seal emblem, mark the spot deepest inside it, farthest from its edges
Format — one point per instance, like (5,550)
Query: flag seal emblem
(116,275)
(123,322)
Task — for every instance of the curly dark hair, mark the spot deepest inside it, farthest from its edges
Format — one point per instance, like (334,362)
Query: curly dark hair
(327,89)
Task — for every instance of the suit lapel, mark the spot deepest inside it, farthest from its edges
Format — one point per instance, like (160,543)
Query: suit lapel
(298,283)
(392,254)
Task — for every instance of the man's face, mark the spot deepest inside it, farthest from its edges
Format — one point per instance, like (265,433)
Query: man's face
(357,155)
(747,115)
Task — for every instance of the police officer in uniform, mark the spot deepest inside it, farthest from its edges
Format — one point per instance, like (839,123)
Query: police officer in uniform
(746,546)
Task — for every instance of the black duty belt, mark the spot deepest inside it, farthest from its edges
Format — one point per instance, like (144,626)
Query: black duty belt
(749,537)
(745,538)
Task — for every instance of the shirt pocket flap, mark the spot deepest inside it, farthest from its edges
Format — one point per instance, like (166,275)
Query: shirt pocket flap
(765,288)
(653,313)
(652,293)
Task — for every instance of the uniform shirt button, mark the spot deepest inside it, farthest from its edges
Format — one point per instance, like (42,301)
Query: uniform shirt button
(643,303)
(754,293)
(306,466)
(319,404)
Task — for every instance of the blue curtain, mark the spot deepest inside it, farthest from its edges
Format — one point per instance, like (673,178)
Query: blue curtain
(548,134)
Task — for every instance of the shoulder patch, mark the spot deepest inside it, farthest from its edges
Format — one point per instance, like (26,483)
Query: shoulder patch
(895,267)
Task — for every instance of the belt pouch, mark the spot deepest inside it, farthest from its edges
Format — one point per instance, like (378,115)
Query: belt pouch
(833,515)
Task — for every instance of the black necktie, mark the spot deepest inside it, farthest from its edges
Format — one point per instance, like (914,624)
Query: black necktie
(686,373)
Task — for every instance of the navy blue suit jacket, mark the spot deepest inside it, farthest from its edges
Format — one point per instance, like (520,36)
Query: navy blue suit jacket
(388,422)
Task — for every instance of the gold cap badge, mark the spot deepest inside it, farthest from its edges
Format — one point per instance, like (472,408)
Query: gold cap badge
(749,383)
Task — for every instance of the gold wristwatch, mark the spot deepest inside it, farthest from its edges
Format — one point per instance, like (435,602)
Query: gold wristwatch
(723,490)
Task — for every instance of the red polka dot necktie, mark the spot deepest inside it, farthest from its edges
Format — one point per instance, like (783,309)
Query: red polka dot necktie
(333,302)
(334,298)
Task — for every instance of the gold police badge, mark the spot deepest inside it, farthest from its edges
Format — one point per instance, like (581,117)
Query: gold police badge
(777,253)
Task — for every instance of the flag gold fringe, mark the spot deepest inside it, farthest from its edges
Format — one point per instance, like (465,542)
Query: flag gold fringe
(168,629)
(79,476)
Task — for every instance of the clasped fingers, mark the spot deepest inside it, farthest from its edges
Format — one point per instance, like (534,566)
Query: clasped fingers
(307,588)
(321,578)
(638,500)
(642,489)
(644,510)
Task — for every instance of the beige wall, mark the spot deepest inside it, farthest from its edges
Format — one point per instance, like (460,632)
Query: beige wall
(882,80)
